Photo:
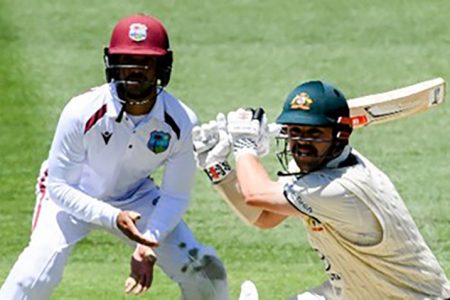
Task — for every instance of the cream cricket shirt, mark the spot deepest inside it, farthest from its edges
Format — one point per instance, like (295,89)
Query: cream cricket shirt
(365,236)
(95,160)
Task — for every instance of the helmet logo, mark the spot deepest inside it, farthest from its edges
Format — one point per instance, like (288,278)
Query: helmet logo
(138,32)
(301,101)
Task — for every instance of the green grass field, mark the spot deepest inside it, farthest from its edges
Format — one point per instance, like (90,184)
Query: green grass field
(227,54)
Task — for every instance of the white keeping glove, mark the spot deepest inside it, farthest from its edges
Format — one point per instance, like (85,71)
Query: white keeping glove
(212,147)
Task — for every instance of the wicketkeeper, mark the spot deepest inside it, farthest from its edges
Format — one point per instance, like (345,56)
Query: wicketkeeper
(107,143)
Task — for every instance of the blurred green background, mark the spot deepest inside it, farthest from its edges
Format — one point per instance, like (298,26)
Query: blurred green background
(227,54)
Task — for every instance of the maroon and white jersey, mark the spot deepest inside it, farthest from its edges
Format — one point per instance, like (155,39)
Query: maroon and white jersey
(96,161)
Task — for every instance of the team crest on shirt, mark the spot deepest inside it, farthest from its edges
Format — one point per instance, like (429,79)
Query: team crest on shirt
(313,224)
(159,141)
(137,32)
(301,101)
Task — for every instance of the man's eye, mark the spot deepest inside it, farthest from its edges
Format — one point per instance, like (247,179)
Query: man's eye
(294,133)
(315,133)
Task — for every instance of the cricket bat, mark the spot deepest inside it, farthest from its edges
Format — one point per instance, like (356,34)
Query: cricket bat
(396,104)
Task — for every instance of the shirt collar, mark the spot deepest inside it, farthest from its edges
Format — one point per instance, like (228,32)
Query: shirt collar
(158,109)
(334,163)
(114,105)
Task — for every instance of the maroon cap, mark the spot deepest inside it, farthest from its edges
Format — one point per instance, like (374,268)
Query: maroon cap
(140,35)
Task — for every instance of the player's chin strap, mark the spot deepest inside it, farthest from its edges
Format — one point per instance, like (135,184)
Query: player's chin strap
(137,102)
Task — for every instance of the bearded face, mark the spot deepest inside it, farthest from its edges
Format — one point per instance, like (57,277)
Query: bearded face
(309,145)
(136,78)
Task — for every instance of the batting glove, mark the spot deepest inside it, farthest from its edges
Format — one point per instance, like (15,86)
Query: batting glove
(248,130)
(212,147)
(268,132)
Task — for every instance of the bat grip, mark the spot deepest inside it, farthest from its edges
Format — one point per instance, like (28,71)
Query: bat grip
(258,114)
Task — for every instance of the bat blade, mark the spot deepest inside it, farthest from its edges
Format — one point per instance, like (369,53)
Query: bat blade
(396,104)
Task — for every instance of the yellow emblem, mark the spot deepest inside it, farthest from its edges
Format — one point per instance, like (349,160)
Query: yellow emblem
(301,101)
(313,224)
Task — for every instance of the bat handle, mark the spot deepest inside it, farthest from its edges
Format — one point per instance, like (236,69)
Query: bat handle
(258,113)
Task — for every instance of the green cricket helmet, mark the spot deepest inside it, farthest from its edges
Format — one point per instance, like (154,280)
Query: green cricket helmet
(316,103)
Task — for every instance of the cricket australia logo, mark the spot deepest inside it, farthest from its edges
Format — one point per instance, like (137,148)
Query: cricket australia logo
(137,32)
(159,141)
(301,101)
(313,224)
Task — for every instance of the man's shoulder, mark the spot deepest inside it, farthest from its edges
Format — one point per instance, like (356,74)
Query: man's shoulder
(92,95)
(178,111)
(362,167)
(361,176)
(89,102)
(332,177)
(321,179)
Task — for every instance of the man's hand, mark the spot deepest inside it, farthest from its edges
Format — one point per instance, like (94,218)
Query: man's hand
(211,144)
(212,147)
(250,131)
(126,222)
(247,129)
(268,132)
(141,276)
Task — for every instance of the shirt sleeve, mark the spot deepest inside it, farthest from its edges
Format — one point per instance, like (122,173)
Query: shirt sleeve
(315,195)
(325,199)
(66,159)
(177,184)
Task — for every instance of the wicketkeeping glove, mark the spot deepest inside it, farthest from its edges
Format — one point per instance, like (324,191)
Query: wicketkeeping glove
(212,147)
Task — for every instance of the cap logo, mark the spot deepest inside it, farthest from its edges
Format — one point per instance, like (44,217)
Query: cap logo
(301,101)
(138,32)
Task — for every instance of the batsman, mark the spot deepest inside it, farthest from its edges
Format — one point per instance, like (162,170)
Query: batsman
(355,219)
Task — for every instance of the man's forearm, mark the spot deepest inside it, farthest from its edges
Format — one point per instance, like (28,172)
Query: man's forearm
(253,178)
(82,206)
(229,189)
(166,215)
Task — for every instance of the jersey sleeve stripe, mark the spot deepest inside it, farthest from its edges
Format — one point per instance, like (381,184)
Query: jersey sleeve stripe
(42,190)
(94,118)
(171,122)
